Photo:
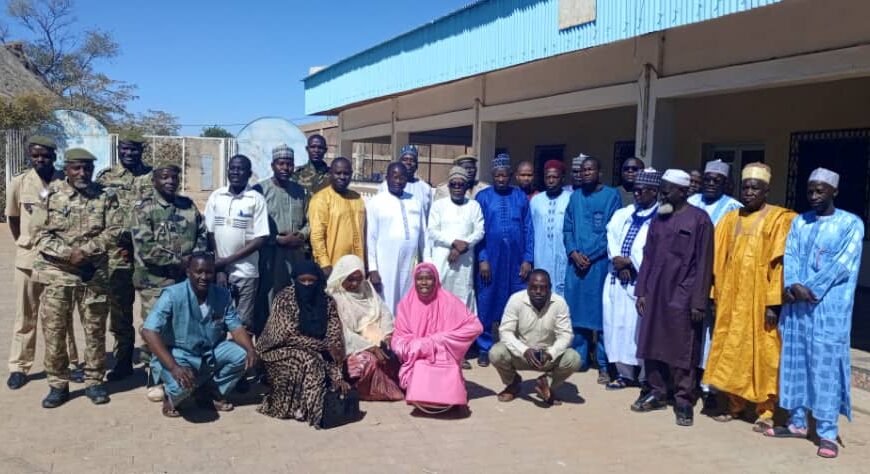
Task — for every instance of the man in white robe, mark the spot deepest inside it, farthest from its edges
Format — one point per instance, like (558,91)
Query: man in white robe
(409,156)
(395,234)
(548,217)
(455,227)
(626,237)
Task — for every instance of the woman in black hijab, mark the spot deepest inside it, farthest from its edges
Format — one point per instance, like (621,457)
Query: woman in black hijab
(302,348)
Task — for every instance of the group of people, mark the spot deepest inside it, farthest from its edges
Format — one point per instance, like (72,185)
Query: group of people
(324,292)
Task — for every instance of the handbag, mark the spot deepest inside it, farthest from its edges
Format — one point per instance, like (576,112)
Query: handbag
(340,409)
(437,383)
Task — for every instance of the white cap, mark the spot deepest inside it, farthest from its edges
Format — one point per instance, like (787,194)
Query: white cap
(678,177)
(717,166)
(825,176)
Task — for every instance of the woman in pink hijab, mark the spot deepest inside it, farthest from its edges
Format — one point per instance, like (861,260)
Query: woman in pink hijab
(433,331)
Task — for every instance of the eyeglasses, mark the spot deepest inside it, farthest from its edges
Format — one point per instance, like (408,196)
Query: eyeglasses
(456,184)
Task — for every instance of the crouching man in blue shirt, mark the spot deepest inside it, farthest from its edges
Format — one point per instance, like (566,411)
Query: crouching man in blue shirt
(187,333)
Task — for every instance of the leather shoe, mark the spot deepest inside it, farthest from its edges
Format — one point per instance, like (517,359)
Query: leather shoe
(685,416)
(16,380)
(483,359)
(97,394)
(648,403)
(120,372)
(56,397)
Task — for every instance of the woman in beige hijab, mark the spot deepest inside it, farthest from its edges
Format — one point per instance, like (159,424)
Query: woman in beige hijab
(368,327)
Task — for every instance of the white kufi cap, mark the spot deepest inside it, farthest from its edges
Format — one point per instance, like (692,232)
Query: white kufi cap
(717,166)
(825,176)
(678,177)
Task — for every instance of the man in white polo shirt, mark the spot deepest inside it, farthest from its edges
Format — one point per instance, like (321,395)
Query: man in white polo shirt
(238,225)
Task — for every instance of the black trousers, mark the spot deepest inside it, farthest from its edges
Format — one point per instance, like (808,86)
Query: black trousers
(658,374)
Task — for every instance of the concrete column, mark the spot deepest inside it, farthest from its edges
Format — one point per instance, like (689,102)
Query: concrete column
(397,141)
(484,147)
(654,131)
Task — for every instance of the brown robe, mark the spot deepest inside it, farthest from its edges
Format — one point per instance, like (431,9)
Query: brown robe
(675,278)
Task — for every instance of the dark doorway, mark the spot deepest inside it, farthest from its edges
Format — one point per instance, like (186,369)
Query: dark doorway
(622,150)
(846,152)
(543,154)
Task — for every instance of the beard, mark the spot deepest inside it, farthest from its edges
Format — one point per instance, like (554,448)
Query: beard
(666,209)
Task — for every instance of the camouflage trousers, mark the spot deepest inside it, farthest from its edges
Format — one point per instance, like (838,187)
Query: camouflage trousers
(121,296)
(147,299)
(55,312)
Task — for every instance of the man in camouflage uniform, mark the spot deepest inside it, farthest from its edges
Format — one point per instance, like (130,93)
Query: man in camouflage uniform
(314,175)
(125,178)
(73,229)
(166,230)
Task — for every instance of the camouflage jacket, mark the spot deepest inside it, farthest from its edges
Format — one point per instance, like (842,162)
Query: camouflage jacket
(129,188)
(311,179)
(163,234)
(68,219)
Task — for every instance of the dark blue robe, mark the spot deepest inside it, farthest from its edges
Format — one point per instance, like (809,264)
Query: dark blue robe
(585,231)
(508,242)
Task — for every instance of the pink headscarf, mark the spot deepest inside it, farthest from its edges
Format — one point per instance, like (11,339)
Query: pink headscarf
(441,328)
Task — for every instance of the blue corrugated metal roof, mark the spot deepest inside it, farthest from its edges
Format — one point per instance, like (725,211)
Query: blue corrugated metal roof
(494,34)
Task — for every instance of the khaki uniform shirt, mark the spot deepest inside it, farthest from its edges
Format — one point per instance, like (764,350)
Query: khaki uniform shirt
(25,194)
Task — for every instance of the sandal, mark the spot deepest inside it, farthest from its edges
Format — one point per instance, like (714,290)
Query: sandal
(542,388)
(762,425)
(168,410)
(618,384)
(828,449)
(222,405)
(603,377)
(511,391)
(789,431)
(725,417)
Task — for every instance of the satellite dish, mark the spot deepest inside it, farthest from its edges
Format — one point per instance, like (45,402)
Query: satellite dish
(257,139)
(74,129)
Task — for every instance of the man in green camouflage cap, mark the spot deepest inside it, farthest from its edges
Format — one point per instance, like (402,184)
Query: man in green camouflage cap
(125,178)
(166,230)
(74,230)
(314,175)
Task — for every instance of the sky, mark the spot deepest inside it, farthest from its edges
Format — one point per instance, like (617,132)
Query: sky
(229,62)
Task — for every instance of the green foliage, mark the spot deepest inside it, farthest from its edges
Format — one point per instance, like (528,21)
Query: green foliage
(216,132)
(25,111)
(152,122)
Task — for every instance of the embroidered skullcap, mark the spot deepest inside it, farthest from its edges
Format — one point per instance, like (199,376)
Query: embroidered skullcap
(678,177)
(824,175)
(43,141)
(648,177)
(462,158)
(458,172)
(409,150)
(759,171)
(78,154)
(282,152)
(502,160)
(578,160)
(717,166)
(554,165)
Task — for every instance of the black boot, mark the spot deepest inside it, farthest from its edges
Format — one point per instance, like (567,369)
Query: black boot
(16,380)
(97,394)
(122,370)
(685,415)
(56,397)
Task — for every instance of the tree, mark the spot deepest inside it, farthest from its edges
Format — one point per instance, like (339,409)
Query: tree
(67,59)
(216,132)
(25,111)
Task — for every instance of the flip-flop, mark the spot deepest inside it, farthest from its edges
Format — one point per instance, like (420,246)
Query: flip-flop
(762,426)
(168,410)
(222,405)
(725,417)
(828,449)
(784,432)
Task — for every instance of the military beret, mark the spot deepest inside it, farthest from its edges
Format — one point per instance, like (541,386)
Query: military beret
(131,136)
(42,140)
(78,154)
(165,163)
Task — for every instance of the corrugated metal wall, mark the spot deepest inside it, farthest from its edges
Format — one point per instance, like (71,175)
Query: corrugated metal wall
(492,35)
